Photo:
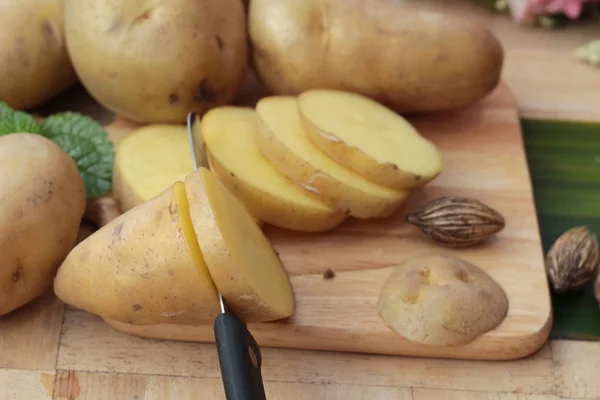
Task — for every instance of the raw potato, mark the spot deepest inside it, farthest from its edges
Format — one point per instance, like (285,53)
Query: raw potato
(34,63)
(241,260)
(148,161)
(441,300)
(154,62)
(369,138)
(405,54)
(283,141)
(269,196)
(144,267)
(42,201)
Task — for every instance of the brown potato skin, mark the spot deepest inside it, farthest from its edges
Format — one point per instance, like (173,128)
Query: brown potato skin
(34,63)
(409,56)
(42,201)
(155,63)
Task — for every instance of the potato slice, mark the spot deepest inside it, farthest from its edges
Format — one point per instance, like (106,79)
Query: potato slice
(369,138)
(228,133)
(148,161)
(241,260)
(282,140)
(441,300)
(143,268)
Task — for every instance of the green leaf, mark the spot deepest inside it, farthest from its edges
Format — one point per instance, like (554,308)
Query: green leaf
(18,122)
(5,109)
(12,121)
(88,144)
(564,161)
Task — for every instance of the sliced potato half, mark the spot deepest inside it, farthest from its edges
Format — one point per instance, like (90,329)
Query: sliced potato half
(242,263)
(228,133)
(142,268)
(282,140)
(369,138)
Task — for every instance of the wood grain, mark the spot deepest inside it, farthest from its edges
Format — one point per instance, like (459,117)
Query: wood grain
(29,385)
(30,335)
(541,68)
(101,386)
(484,158)
(88,344)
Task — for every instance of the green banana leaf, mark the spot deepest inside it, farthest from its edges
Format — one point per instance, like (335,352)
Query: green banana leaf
(564,162)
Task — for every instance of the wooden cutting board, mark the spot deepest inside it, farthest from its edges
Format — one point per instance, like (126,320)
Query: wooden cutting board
(485,159)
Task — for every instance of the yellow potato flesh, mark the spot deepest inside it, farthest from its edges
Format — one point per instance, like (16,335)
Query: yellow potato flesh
(368,137)
(283,141)
(241,260)
(185,222)
(229,136)
(148,161)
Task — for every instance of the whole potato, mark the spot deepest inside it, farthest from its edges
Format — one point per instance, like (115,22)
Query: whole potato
(155,63)
(42,201)
(34,63)
(411,56)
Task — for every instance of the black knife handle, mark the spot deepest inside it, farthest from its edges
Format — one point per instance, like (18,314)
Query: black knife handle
(240,359)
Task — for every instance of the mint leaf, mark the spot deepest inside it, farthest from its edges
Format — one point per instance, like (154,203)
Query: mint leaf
(17,122)
(88,144)
(5,109)
(12,121)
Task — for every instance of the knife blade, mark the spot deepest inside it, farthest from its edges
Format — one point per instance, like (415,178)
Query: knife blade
(239,355)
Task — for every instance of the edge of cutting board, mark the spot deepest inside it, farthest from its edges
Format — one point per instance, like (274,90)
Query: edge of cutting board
(493,345)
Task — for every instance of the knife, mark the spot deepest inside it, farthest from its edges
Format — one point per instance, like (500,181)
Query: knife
(239,355)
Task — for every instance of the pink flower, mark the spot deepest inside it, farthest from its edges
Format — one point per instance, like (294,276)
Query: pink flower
(522,10)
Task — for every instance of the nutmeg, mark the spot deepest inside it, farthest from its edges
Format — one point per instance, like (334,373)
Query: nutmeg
(455,221)
(572,260)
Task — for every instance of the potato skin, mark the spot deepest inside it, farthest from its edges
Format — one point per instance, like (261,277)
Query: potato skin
(408,56)
(34,63)
(155,63)
(441,300)
(42,201)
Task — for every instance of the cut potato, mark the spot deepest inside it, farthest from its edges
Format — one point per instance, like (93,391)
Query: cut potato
(242,263)
(229,133)
(143,268)
(369,138)
(148,161)
(441,300)
(282,140)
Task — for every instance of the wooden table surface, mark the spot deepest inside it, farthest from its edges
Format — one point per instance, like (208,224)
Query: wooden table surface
(548,83)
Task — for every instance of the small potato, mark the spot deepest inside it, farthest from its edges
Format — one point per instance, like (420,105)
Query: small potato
(154,62)
(441,300)
(411,56)
(34,63)
(42,201)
